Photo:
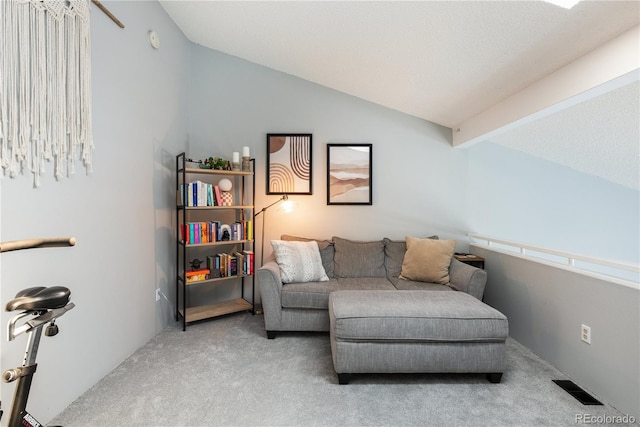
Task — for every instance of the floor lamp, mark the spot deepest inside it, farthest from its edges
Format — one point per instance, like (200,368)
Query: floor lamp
(262,211)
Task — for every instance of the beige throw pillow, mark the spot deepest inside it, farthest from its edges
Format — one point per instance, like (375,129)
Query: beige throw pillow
(427,260)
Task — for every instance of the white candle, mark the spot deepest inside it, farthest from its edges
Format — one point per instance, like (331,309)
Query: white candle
(245,151)
(236,157)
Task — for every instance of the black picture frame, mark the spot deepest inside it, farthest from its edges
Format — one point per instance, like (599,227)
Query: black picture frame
(289,163)
(349,174)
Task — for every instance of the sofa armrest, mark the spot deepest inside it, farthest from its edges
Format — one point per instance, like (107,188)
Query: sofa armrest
(270,287)
(466,278)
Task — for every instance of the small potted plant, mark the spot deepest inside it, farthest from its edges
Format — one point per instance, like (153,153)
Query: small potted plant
(215,163)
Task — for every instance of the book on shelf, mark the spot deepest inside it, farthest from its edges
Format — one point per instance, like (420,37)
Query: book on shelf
(198,194)
(223,264)
(250,260)
(180,195)
(233,265)
(218,196)
(196,275)
(204,232)
(241,267)
(210,198)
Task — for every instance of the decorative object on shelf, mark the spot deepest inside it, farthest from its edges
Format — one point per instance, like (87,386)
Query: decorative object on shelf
(225,230)
(225,184)
(246,159)
(195,264)
(235,161)
(262,211)
(289,163)
(190,163)
(349,174)
(226,196)
(216,163)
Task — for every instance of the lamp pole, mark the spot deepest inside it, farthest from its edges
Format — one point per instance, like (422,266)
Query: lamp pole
(262,211)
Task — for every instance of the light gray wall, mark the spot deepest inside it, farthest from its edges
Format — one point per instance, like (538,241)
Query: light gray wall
(419,181)
(121,213)
(546,307)
(151,104)
(519,197)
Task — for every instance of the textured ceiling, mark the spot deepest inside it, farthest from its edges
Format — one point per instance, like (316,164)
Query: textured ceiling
(443,61)
(599,137)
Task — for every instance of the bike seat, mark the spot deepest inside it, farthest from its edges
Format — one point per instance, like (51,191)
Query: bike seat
(39,298)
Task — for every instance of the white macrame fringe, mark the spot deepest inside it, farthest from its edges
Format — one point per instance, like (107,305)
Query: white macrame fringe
(45,86)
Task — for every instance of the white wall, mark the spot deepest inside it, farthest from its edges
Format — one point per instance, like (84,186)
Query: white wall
(121,214)
(418,180)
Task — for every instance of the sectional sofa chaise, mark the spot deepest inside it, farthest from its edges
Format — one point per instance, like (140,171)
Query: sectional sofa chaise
(389,306)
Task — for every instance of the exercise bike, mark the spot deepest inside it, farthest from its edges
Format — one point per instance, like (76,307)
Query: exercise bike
(43,305)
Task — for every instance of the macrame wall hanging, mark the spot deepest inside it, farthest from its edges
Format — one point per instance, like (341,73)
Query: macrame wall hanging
(45,86)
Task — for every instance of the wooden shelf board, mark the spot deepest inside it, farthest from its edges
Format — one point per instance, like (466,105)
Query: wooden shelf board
(219,279)
(193,208)
(207,311)
(218,243)
(218,172)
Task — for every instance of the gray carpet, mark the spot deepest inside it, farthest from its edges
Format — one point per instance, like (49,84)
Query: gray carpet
(224,372)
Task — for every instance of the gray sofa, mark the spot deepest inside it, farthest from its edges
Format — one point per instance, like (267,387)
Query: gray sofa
(350,265)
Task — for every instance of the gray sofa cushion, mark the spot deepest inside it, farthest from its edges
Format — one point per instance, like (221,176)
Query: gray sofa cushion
(358,259)
(411,285)
(415,316)
(394,254)
(316,294)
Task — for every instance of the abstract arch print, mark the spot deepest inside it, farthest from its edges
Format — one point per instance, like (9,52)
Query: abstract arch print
(289,164)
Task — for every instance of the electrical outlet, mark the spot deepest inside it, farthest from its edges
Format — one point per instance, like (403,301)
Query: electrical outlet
(586,334)
(158,294)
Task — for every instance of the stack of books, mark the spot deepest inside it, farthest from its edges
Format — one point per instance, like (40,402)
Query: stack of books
(194,233)
(199,193)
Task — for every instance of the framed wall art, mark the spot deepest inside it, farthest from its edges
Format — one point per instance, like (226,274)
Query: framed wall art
(349,174)
(289,164)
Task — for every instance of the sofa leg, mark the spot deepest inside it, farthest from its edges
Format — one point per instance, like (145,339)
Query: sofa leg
(494,377)
(271,334)
(343,379)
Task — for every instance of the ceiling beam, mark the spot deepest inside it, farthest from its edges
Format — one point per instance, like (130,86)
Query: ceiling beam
(612,65)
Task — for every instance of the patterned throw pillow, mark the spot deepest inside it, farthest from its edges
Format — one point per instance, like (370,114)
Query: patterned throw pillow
(299,261)
(326,250)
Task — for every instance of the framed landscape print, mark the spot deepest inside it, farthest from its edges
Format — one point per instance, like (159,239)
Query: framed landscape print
(289,163)
(349,174)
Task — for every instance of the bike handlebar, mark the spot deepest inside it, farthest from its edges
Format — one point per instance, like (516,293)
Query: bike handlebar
(47,242)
